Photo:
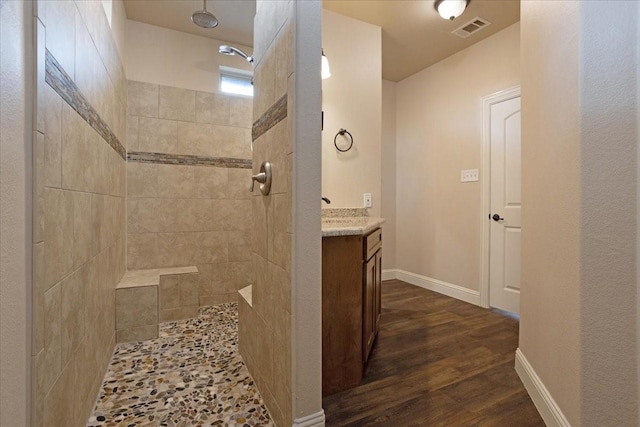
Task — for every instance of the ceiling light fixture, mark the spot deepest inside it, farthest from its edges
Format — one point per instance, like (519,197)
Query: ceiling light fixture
(450,9)
(326,71)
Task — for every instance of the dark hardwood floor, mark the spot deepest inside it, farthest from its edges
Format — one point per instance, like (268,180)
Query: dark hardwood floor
(437,361)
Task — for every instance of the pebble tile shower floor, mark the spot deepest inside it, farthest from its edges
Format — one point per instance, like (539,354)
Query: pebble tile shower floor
(192,375)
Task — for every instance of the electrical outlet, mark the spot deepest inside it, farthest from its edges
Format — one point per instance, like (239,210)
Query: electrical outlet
(367,200)
(469,175)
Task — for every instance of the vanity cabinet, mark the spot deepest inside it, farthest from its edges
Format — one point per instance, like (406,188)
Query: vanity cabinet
(351,306)
(372,292)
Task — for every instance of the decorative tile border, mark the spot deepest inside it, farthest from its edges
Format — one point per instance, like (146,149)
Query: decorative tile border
(185,159)
(64,85)
(270,118)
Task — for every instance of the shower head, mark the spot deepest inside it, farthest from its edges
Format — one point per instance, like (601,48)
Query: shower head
(203,18)
(230,50)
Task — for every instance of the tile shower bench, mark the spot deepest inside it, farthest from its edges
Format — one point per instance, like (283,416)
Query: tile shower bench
(144,298)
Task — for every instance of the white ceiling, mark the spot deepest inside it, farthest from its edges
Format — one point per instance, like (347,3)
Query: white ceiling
(413,34)
(235,17)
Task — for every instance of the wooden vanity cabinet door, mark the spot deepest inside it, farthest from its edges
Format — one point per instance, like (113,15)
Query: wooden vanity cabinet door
(377,295)
(368,315)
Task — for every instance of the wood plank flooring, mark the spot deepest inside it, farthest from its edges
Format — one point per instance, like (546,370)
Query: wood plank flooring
(437,361)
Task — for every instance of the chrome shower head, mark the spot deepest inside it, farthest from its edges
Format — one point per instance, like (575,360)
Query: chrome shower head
(203,18)
(230,50)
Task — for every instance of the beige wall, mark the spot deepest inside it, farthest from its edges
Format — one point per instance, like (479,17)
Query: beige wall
(195,60)
(579,303)
(388,199)
(265,328)
(550,326)
(180,215)
(352,99)
(79,213)
(15,199)
(439,133)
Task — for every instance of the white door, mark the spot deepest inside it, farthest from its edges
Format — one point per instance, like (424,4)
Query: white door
(505,205)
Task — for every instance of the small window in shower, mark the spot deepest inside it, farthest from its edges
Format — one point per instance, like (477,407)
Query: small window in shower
(236,81)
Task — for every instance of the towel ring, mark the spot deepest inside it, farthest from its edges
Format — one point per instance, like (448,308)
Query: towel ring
(335,140)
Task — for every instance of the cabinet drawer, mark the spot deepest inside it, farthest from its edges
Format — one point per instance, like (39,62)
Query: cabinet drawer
(372,243)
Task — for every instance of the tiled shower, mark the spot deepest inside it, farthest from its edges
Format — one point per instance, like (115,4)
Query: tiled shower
(128,175)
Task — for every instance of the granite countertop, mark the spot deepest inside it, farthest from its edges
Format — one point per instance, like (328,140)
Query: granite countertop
(348,222)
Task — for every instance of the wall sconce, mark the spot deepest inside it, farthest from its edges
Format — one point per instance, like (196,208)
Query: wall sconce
(450,9)
(326,72)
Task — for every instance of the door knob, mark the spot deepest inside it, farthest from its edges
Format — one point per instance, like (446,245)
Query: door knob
(496,217)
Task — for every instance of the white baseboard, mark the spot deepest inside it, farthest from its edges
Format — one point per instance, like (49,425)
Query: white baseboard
(448,289)
(388,274)
(546,405)
(313,420)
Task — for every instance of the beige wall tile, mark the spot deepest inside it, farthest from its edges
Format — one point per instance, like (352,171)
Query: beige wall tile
(37,338)
(73,314)
(80,151)
(240,245)
(99,222)
(136,307)
(142,251)
(189,290)
(260,227)
(280,289)
(172,314)
(49,360)
(261,292)
(284,59)
(211,182)
(86,64)
(212,108)
(196,139)
(169,291)
(196,214)
(177,104)
(82,228)
(93,294)
(38,187)
(60,33)
(209,247)
(176,181)
(241,112)
(40,49)
(132,133)
(174,249)
(141,333)
(86,371)
(279,219)
(142,180)
(59,409)
(239,183)
(58,234)
(237,214)
(158,215)
(157,135)
(53,138)
(142,99)
(231,142)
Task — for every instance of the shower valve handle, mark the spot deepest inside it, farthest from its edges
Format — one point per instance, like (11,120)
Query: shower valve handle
(264,178)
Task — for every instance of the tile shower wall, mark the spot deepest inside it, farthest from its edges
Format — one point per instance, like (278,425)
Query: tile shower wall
(79,209)
(197,212)
(265,328)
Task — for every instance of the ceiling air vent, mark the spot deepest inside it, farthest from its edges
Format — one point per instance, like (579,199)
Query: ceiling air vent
(471,27)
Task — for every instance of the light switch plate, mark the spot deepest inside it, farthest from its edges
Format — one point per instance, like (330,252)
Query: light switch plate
(469,175)
(367,200)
